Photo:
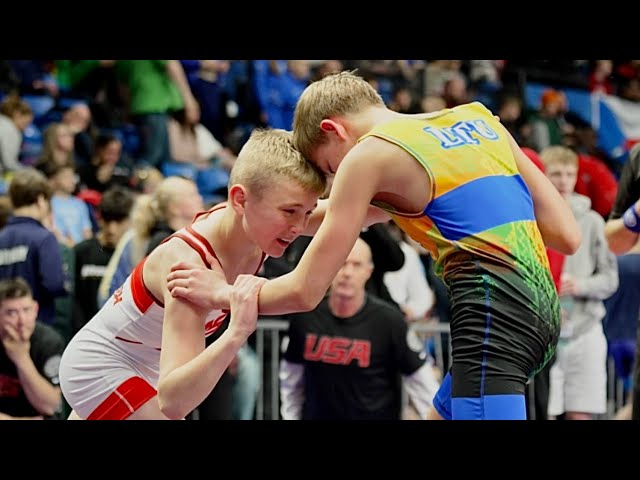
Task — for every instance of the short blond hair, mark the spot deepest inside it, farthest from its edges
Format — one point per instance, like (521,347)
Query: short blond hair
(558,155)
(336,94)
(267,157)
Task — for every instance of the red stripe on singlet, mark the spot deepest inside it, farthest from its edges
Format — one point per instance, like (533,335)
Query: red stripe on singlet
(192,243)
(203,240)
(126,399)
(211,210)
(141,295)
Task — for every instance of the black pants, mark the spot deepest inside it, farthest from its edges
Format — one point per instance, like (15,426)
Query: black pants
(538,405)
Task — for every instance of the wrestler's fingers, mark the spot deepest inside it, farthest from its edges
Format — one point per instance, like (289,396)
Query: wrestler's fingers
(178,291)
(178,282)
(182,266)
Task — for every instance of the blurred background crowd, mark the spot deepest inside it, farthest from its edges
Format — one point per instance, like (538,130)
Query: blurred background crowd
(125,152)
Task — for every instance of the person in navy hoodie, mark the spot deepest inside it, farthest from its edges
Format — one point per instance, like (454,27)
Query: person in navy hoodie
(27,248)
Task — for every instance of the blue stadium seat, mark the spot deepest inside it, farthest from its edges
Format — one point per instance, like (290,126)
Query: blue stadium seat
(170,169)
(211,180)
(40,104)
(31,147)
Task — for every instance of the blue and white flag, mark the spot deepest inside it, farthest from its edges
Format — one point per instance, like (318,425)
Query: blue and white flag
(616,121)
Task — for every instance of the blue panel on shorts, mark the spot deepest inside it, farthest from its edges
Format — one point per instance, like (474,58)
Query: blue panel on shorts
(489,407)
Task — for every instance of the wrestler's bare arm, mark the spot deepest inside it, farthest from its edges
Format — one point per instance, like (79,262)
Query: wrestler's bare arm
(556,222)
(374,215)
(188,369)
(619,237)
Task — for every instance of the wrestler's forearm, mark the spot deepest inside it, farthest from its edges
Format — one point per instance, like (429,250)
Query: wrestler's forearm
(186,387)
(289,293)
(374,215)
(619,238)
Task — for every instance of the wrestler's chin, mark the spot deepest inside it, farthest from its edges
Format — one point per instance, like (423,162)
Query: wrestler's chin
(277,248)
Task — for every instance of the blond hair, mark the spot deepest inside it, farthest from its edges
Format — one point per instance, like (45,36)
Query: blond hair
(558,155)
(334,95)
(150,209)
(267,156)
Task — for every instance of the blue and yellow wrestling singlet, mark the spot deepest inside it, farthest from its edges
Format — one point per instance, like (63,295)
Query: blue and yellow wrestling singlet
(481,230)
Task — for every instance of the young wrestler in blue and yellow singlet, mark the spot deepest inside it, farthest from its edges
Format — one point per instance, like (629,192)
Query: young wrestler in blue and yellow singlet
(481,230)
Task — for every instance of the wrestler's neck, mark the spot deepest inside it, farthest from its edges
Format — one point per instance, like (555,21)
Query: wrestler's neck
(346,307)
(230,238)
(363,121)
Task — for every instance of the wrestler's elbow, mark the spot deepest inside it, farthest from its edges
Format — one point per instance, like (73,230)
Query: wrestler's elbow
(565,241)
(310,298)
(571,241)
(170,407)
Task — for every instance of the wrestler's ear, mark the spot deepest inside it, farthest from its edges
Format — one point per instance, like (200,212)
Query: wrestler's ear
(237,197)
(331,126)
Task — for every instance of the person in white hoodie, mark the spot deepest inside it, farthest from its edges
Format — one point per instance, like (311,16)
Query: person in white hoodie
(578,379)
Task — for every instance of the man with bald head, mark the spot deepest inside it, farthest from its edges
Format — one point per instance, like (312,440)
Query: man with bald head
(78,118)
(346,359)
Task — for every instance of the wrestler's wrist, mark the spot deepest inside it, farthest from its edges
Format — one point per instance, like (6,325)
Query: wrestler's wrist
(631,219)
(220,297)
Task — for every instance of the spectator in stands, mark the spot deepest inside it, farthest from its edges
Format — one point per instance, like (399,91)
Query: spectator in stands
(35,77)
(30,354)
(108,167)
(27,248)
(346,359)
(156,88)
(95,82)
(58,146)
(6,210)
(600,77)
(408,286)
(15,116)
(578,378)
(292,82)
(267,85)
(596,181)
(194,145)
(79,121)
(547,122)
(71,217)
(207,80)
(93,255)
(511,115)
